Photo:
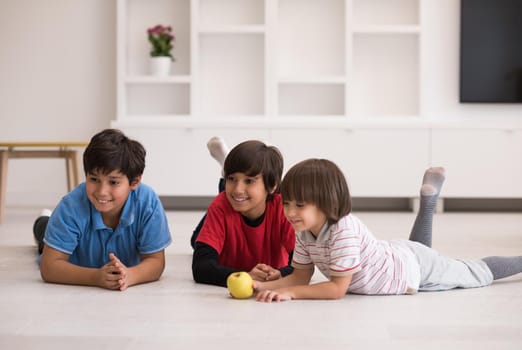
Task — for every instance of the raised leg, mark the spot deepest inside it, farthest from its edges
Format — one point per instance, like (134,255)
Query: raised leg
(429,193)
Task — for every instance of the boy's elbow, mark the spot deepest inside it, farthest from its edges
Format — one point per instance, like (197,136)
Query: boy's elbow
(156,276)
(339,292)
(196,274)
(339,296)
(196,277)
(45,275)
(336,294)
(199,278)
(160,271)
(44,270)
(201,275)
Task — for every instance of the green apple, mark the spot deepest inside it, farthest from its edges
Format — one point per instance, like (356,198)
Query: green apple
(240,285)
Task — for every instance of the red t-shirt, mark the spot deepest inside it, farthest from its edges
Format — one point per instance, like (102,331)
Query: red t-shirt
(240,246)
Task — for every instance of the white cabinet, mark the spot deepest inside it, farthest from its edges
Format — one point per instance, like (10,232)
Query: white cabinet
(178,162)
(376,162)
(480,163)
(338,79)
(300,74)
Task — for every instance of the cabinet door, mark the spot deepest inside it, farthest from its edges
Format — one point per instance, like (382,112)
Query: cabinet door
(376,162)
(178,161)
(479,163)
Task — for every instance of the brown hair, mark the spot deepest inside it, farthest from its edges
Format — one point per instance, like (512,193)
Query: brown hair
(319,182)
(111,150)
(253,158)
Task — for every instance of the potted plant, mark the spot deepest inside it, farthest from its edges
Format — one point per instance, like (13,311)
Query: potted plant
(161,39)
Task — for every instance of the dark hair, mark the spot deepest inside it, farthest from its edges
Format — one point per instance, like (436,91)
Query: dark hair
(319,182)
(111,150)
(253,158)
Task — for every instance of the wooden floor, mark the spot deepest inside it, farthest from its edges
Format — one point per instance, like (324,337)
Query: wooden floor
(175,313)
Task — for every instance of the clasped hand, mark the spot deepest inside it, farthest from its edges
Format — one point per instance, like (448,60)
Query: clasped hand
(114,274)
(264,272)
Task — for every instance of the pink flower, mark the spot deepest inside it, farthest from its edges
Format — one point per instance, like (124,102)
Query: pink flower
(161,38)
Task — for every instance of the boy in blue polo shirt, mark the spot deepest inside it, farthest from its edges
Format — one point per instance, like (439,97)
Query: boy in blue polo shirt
(110,231)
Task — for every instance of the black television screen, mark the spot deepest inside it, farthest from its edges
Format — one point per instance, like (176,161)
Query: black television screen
(491,51)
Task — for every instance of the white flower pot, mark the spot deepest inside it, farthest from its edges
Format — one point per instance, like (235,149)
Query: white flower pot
(160,66)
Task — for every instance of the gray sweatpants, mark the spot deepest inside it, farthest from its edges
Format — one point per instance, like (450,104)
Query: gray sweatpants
(439,272)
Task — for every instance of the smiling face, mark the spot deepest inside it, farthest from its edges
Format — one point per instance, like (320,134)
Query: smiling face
(246,194)
(108,193)
(304,217)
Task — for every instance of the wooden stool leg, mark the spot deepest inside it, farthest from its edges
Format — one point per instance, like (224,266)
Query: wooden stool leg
(73,174)
(69,171)
(3,181)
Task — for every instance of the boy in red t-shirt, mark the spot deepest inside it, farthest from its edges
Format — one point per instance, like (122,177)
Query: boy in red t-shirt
(245,228)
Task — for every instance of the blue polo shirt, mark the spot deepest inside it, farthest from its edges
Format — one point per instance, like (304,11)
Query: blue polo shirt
(76,228)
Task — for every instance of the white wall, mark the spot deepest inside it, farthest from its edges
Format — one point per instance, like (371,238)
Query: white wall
(57,82)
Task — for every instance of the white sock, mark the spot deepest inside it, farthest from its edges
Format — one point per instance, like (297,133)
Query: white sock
(432,181)
(218,149)
(46,212)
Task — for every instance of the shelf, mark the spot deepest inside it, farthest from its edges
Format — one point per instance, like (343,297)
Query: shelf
(383,29)
(230,29)
(327,122)
(148,79)
(312,80)
(311,122)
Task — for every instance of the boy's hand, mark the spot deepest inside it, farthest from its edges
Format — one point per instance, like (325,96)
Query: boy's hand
(121,271)
(258,286)
(267,296)
(114,275)
(264,272)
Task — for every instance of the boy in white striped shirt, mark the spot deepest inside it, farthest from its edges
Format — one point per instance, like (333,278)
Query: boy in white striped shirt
(317,203)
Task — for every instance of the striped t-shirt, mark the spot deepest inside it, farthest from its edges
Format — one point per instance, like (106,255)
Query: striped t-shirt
(348,247)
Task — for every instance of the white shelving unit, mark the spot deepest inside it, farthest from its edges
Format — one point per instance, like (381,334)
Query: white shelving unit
(282,71)
(339,79)
(265,60)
